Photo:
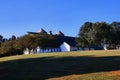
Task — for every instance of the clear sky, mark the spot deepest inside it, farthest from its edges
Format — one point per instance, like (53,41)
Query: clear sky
(19,16)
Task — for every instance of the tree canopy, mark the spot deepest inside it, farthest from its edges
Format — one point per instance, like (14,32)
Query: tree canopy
(16,45)
(98,33)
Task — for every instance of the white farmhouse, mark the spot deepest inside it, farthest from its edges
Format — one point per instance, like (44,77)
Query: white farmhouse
(65,43)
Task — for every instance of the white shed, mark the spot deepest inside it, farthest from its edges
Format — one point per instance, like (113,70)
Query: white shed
(65,47)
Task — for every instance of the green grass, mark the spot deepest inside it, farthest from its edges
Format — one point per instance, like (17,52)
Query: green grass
(84,65)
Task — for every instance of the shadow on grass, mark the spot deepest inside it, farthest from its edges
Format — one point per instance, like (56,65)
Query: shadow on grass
(51,67)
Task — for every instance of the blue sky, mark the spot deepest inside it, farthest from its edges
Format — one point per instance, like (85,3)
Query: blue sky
(19,16)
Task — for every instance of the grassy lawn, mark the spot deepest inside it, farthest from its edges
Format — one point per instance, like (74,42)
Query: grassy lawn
(82,65)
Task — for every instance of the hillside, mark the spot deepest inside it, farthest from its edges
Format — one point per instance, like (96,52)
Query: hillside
(83,65)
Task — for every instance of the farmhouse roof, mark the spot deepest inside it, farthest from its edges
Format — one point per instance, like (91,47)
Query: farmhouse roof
(69,40)
(42,31)
(60,37)
(32,33)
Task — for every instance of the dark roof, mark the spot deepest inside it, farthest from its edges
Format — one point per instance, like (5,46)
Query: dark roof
(60,37)
(69,40)
(32,33)
(42,31)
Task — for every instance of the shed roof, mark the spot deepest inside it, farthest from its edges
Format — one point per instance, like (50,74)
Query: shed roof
(69,40)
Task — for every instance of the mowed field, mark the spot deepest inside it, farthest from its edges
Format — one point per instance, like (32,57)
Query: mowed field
(79,65)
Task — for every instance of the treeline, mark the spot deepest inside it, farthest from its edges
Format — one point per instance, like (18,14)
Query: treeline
(99,33)
(90,34)
(15,46)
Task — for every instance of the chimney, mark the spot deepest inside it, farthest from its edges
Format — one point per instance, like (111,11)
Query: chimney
(50,32)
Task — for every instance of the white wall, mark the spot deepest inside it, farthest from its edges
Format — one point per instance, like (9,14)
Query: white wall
(105,46)
(26,51)
(65,47)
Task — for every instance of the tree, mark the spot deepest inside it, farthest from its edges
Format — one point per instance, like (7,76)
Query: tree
(94,34)
(1,39)
(101,32)
(25,41)
(83,39)
(85,29)
(13,37)
(45,41)
(7,48)
(82,42)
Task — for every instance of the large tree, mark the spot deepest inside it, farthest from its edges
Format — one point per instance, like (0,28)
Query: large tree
(95,34)
(83,39)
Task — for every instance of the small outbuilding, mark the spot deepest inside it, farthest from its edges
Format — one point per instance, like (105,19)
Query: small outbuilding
(66,47)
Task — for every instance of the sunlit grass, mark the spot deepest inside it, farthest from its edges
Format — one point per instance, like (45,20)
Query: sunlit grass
(60,54)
